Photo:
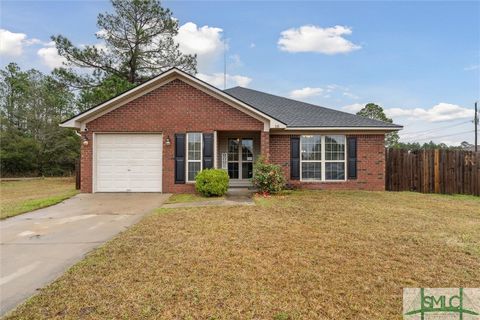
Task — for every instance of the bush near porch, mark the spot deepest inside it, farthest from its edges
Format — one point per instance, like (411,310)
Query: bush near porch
(267,177)
(212,182)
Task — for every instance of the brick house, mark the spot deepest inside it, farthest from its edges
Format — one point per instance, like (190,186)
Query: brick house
(157,136)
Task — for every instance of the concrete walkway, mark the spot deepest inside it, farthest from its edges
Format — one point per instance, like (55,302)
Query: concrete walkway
(37,247)
(234,197)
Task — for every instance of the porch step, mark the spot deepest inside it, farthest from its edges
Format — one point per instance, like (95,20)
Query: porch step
(240,184)
(239,193)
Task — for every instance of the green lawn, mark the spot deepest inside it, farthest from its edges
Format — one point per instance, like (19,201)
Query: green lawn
(24,196)
(189,197)
(300,255)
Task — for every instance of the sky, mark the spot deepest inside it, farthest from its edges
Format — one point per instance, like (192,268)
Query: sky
(419,60)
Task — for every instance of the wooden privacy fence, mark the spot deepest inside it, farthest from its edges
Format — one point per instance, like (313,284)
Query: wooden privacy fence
(433,171)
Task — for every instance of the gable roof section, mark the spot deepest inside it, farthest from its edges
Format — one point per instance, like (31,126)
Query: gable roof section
(300,115)
(79,120)
(274,111)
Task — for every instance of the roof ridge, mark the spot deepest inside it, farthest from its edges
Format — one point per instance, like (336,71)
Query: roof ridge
(312,105)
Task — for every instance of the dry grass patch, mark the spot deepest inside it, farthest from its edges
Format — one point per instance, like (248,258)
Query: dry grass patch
(189,197)
(304,255)
(23,196)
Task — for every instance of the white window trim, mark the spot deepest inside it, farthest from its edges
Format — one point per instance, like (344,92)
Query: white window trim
(323,160)
(322,154)
(188,160)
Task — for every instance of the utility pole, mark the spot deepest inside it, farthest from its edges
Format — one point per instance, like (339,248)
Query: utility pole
(476,127)
(224,63)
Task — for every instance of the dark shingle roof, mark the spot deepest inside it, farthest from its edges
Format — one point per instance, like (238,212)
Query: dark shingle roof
(300,114)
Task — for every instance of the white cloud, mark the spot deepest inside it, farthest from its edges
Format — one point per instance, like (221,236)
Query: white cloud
(311,38)
(353,108)
(33,41)
(452,142)
(204,41)
(350,95)
(252,45)
(472,67)
(207,43)
(50,57)
(333,91)
(439,112)
(99,46)
(235,61)
(217,79)
(11,43)
(306,93)
(101,33)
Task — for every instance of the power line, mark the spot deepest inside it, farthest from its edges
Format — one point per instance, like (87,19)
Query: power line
(436,129)
(443,136)
(224,63)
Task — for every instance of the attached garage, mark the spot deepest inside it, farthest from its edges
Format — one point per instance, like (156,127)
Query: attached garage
(127,162)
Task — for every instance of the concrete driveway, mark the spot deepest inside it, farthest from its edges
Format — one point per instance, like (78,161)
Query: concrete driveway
(37,247)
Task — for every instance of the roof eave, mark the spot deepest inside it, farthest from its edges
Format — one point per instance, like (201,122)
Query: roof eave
(365,128)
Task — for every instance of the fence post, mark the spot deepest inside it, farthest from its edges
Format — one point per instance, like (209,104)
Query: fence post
(436,165)
(426,177)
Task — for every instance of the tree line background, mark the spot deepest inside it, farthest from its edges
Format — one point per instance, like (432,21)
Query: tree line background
(138,37)
(138,44)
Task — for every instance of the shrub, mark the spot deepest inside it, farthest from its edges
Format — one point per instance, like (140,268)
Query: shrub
(267,177)
(212,182)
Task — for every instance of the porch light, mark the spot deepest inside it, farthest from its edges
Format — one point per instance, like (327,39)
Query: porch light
(85,140)
(167,141)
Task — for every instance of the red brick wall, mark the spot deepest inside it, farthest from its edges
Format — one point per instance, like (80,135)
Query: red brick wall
(370,163)
(174,108)
(265,145)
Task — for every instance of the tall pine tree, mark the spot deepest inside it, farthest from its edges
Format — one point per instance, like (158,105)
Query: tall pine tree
(138,44)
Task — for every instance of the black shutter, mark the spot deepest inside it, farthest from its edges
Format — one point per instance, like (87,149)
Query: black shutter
(352,157)
(179,158)
(207,150)
(295,158)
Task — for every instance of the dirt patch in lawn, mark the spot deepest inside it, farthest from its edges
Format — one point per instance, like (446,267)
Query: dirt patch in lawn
(190,197)
(304,255)
(27,195)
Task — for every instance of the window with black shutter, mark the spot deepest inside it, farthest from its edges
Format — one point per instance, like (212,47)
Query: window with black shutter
(179,158)
(352,157)
(207,150)
(295,158)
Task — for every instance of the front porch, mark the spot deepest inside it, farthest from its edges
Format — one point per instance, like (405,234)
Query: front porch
(236,152)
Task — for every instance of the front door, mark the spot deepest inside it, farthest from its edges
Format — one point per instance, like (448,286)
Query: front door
(240,158)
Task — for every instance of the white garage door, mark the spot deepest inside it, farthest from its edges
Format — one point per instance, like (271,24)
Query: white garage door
(128,162)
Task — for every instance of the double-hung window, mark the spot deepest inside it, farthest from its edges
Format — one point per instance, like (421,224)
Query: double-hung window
(334,158)
(194,155)
(322,157)
(311,156)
